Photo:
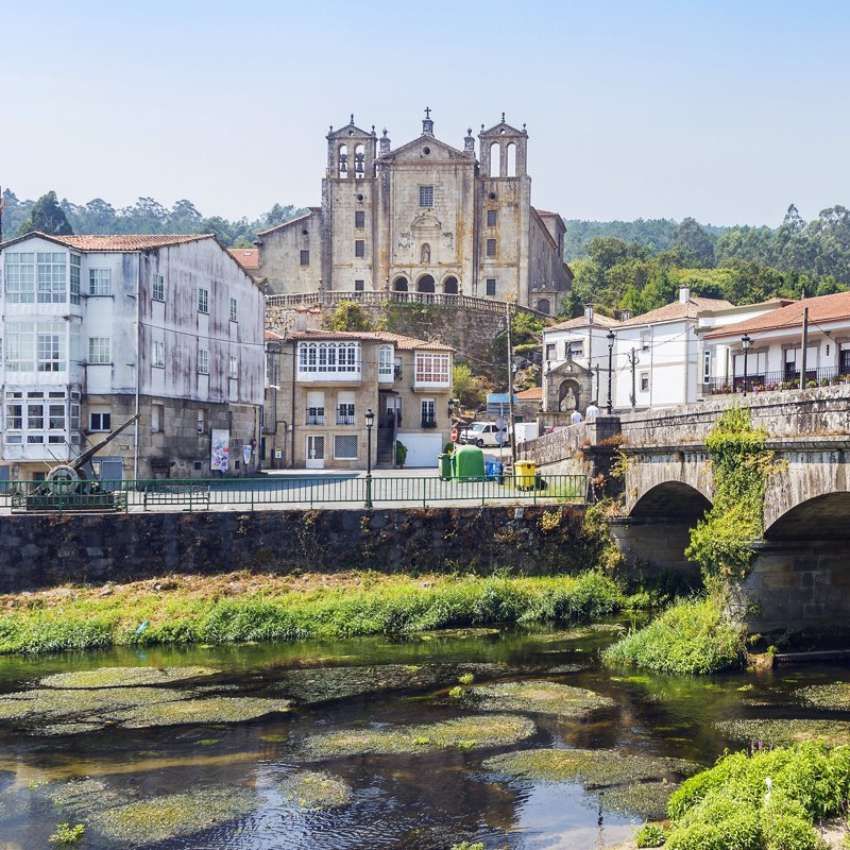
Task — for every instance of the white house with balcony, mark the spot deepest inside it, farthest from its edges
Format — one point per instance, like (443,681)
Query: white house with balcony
(96,329)
(330,380)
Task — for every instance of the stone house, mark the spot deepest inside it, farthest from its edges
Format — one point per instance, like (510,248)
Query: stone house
(98,328)
(423,217)
(324,382)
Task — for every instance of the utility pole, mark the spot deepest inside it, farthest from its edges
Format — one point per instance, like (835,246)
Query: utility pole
(633,361)
(805,346)
(596,398)
(510,387)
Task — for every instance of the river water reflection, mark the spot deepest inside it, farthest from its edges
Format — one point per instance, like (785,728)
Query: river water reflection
(275,782)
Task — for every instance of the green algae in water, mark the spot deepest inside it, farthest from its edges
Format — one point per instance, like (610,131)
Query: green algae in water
(143,822)
(124,677)
(538,697)
(312,790)
(474,732)
(594,768)
(647,799)
(775,732)
(208,710)
(835,696)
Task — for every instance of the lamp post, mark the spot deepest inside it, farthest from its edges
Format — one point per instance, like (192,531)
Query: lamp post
(611,338)
(745,344)
(370,421)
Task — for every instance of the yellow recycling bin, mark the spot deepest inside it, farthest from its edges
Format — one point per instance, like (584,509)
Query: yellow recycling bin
(524,474)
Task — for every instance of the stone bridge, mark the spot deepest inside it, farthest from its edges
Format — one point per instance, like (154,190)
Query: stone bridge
(801,576)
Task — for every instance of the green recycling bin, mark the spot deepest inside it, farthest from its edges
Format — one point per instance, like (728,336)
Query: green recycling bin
(445,463)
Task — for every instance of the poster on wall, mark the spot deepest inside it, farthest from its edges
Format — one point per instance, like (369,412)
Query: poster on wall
(220,455)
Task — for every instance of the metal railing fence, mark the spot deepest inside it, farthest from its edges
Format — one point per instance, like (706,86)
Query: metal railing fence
(284,491)
(825,376)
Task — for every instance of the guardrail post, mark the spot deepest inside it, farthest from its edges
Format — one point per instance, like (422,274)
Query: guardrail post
(190,498)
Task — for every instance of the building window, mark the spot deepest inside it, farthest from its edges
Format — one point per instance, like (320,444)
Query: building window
(201,421)
(100,350)
(429,413)
(75,279)
(158,358)
(432,368)
(315,408)
(305,258)
(328,357)
(20,277)
(426,196)
(234,310)
(645,337)
(345,409)
(20,346)
(359,248)
(158,293)
(491,286)
(51,350)
(233,367)
(359,285)
(100,421)
(100,281)
(203,360)
(575,349)
(345,447)
(386,363)
(550,350)
(50,274)
(56,417)
(157,418)
(491,218)
(203,300)
(359,219)
(491,247)
(706,366)
(14,417)
(644,382)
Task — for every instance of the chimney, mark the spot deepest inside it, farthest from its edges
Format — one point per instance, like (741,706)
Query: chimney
(469,142)
(684,294)
(385,142)
(588,312)
(300,321)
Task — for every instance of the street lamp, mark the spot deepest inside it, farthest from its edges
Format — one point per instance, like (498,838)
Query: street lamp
(746,342)
(611,338)
(370,421)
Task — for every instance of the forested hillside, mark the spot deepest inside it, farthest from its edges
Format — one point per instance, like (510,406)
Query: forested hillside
(147,215)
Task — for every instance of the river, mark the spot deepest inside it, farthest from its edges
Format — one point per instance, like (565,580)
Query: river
(276,781)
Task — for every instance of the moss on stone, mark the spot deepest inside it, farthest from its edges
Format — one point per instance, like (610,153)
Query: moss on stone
(123,677)
(474,732)
(313,790)
(593,768)
(775,732)
(538,697)
(835,696)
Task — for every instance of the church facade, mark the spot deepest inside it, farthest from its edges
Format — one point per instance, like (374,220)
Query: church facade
(423,217)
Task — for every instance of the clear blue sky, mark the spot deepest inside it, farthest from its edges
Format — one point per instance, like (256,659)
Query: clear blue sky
(726,111)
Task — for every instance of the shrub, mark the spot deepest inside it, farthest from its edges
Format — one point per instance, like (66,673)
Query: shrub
(650,835)
(692,636)
(66,835)
(787,832)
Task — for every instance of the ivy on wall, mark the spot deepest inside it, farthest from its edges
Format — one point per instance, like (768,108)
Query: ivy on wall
(723,541)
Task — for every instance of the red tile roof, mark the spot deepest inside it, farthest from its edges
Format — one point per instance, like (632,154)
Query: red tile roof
(403,343)
(677,310)
(531,394)
(248,258)
(120,243)
(824,308)
(272,336)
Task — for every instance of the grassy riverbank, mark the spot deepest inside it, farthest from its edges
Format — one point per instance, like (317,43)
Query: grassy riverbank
(240,607)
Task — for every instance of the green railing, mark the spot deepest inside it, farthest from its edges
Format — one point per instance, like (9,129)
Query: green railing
(297,492)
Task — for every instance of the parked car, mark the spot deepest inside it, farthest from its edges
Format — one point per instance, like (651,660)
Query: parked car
(483,434)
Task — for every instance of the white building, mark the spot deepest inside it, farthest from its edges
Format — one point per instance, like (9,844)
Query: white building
(774,340)
(97,328)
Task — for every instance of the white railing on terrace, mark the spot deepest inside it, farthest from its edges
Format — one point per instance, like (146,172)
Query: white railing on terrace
(380,298)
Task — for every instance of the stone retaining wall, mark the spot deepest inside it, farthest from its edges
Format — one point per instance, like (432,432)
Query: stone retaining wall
(39,551)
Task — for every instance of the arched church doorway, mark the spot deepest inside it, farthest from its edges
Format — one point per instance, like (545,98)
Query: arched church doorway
(400,284)
(450,285)
(425,284)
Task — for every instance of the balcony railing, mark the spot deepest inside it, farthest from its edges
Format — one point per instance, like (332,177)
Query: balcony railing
(771,381)
(315,419)
(429,422)
(345,419)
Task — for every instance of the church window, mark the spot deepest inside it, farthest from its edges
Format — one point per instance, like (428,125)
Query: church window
(511,157)
(491,247)
(491,286)
(495,159)
(359,219)
(491,218)
(359,162)
(543,305)
(359,248)
(425,254)
(305,258)
(359,285)
(343,161)
(426,196)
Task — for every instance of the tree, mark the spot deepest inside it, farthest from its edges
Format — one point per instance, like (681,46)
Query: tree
(695,245)
(349,316)
(466,387)
(47,216)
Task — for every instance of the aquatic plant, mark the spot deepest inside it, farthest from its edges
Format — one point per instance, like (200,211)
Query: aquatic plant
(389,605)
(537,697)
(467,845)
(66,834)
(123,677)
(778,732)
(466,679)
(767,801)
(693,636)
(650,835)
(647,799)
(835,696)
(313,790)
(474,732)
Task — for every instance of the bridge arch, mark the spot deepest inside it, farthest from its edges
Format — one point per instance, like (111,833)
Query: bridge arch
(674,500)
(822,517)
